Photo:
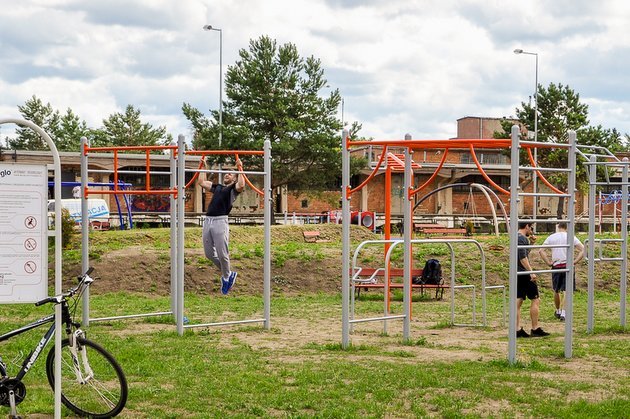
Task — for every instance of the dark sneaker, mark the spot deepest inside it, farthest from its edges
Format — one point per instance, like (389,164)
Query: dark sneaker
(539,332)
(224,286)
(522,334)
(562,318)
(231,280)
(557,314)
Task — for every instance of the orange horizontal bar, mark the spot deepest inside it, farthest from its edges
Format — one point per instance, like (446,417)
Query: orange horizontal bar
(215,152)
(132,192)
(132,147)
(420,144)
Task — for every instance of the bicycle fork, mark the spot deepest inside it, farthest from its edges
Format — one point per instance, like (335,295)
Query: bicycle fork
(86,374)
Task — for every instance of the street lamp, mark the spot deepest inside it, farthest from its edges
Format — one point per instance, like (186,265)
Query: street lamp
(520,51)
(211,28)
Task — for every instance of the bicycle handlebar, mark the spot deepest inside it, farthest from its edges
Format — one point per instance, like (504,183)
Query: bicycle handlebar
(45,301)
(84,280)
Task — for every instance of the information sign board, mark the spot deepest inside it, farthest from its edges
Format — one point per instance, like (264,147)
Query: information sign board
(23,233)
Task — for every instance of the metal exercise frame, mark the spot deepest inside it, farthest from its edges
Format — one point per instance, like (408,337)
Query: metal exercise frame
(268,205)
(356,282)
(115,190)
(408,144)
(516,196)
(58,254)
(591,155)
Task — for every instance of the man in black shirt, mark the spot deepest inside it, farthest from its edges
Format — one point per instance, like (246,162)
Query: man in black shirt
(216,229)
(526,286)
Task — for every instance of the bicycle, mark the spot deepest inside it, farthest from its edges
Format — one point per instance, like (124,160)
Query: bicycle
(92,382)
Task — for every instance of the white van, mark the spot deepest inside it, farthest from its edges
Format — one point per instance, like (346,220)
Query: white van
(98,211)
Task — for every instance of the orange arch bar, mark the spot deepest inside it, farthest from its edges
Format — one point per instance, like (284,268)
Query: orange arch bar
(483,172)
(378,166)
(196,175)
(540,175)
(433,176)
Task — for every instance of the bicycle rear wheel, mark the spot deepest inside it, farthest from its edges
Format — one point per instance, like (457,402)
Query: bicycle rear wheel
(104,391)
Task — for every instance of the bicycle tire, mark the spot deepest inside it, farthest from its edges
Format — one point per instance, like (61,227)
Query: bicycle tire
(89,399)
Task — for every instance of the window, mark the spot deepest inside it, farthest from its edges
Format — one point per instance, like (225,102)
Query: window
(305,203)
(484,158)
(502,181)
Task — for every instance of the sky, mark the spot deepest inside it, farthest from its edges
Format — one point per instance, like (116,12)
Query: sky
(401,66)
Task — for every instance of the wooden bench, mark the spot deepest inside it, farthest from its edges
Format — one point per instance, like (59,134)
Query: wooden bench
(444,231)
(374,278)
(311,236)
(420,227)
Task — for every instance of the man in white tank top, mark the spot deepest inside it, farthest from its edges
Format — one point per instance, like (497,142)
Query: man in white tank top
(559,261)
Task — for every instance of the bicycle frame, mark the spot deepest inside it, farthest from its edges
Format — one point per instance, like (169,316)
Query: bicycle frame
(32,357)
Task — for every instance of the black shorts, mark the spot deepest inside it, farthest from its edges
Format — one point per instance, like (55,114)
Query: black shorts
(526,288)
(559,280)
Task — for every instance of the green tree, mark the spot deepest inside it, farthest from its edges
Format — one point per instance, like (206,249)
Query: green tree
(71,129)
(274,94)
(127,129)
(560,110)
(65,130)
(43,116)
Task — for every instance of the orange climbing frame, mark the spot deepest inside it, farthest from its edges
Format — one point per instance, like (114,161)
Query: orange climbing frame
(115,150)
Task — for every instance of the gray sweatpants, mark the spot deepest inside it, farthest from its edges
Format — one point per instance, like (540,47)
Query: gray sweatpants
(216,238)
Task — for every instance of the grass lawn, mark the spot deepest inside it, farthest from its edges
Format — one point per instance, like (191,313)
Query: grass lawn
(298,369)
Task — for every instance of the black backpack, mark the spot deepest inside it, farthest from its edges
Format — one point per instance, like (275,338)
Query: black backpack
(432,273)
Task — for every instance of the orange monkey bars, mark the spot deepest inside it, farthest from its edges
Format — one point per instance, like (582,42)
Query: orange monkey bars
(236,153)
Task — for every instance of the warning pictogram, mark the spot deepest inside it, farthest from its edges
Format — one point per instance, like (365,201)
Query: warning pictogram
(30,244)
(30,222)
(30,267)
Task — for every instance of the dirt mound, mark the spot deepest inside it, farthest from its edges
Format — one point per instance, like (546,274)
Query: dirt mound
(136,265)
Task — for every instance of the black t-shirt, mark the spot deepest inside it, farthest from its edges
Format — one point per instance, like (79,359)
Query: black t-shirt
(522,253)
(222,199)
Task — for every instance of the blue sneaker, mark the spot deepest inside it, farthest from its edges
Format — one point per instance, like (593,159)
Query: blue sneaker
(186,321)
(225,287)
(231,280)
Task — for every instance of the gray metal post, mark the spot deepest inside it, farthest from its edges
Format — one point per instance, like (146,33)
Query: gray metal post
(267,258)
(173,232)
(592,180)
(407,227)
(624,244)
(568,326)
(345,253)
(181,190)
(58,253)
(514,200)
(85,232)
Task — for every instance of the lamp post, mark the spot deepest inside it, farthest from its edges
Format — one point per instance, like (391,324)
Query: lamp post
(520,51)
(211,28)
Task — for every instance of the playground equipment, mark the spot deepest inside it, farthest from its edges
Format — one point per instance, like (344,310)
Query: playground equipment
(515,197)
(268,205)
(408,144)
(176,192)
(360,279)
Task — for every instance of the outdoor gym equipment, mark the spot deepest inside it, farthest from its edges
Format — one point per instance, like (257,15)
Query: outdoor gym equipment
(176,192)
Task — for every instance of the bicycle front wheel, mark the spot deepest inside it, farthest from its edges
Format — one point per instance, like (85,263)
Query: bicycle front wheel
(95,386)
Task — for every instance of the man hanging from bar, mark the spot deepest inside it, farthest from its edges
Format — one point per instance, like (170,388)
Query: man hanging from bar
(216,228)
